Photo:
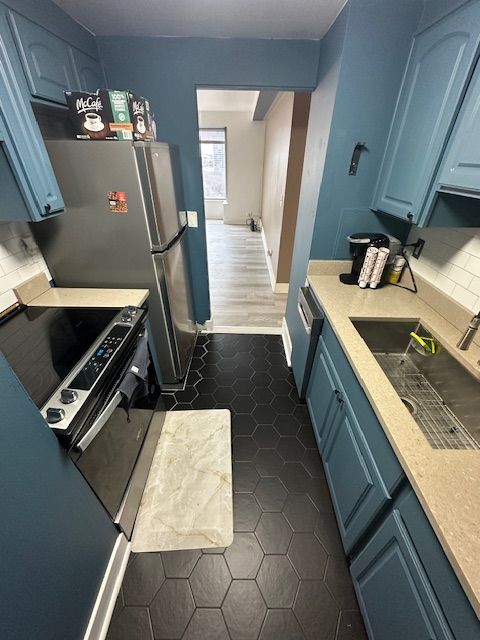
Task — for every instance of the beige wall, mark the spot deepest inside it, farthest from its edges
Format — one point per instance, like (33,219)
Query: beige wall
(245,144)
(285,134)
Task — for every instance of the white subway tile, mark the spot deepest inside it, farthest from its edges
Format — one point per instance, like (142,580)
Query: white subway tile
(10,281)
(444,284)
(14,262)
(460,276)
(7,299)
(473,265)
(424,270)
(475,286)
(467,298)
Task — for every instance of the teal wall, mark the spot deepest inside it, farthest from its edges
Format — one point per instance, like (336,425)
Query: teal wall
(321,111)
(362,60)
(168,71)
(55,537)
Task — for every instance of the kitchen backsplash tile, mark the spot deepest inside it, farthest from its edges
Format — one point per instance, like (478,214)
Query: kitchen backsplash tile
(451,262)
(17,263)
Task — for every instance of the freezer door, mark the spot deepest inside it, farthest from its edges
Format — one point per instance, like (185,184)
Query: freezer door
(171,268)
(162,192)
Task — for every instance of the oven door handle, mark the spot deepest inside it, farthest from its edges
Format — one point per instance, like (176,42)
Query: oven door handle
(99,423)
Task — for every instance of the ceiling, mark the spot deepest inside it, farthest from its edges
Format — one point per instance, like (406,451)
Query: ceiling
(297,19)
(214,100)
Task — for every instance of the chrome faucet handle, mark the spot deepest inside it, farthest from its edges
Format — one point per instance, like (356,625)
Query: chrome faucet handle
(467,338)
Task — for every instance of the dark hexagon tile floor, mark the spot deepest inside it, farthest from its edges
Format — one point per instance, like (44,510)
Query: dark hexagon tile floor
(285,575)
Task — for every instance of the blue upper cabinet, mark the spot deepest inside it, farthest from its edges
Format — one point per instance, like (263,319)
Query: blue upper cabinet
(25,163)
(51,65)
(460,171)
(437,73)
(89,72)
(45,58)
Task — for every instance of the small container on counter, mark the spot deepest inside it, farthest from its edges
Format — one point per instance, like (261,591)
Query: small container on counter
(396,270)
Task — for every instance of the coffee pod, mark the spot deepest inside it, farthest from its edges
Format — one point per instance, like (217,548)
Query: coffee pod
(378,267)
(367,267)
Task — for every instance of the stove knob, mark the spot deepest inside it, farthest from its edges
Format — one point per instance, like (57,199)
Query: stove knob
(68,396)
(55,415)
(133,310)
(126,315)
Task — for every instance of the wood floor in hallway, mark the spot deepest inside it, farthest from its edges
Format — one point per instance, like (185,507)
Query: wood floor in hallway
(240,290)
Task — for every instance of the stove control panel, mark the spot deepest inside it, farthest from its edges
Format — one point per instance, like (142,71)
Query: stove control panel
(100,358)
(61,409)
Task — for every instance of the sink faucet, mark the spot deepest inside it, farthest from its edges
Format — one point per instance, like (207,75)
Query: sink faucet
(466,340)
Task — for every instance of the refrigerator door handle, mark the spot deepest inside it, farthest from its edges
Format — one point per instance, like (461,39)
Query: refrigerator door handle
(149,205)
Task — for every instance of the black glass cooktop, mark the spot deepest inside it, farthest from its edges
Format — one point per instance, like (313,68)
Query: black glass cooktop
(43,344)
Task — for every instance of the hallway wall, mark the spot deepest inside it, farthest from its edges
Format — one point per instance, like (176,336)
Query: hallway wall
(245,144)
(285,136)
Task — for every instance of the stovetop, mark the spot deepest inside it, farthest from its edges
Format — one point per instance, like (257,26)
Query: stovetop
(43,344)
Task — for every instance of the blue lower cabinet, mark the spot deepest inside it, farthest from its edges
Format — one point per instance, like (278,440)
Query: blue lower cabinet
(321,396)
(357,489)
(399,594)
(361,468)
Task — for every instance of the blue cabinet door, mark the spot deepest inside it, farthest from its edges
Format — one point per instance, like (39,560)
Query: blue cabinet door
(437,73)
(45,58)
(394,592)
(321,395)
(356,486)
(23,148)
(461,166)
(89,72)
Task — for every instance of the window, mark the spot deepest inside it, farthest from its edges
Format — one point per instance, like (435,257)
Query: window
(212,151)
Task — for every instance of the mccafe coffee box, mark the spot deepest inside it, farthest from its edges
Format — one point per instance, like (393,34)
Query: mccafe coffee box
(141,118)
(103,115)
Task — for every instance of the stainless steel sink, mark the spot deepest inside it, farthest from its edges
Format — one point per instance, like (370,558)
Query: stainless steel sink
(442,396)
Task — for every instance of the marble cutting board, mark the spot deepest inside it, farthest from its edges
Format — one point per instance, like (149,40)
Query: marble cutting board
(187,502)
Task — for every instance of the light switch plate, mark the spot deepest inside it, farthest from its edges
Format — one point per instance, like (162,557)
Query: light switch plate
(192,218)
(183,217)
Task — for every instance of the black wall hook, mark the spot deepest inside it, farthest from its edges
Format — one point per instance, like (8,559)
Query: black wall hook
(357,150)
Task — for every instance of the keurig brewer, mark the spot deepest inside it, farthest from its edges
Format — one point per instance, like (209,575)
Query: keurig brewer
(359,243)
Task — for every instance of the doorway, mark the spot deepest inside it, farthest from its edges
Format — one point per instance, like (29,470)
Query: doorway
(251,145)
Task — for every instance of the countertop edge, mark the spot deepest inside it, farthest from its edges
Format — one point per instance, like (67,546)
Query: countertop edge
(90,297)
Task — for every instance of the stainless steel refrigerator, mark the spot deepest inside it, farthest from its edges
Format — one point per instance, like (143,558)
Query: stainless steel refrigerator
(123,227)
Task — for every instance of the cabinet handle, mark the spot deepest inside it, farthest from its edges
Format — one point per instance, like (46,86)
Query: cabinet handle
(47,209)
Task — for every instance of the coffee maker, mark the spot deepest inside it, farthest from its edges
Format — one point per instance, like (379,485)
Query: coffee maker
(359,243)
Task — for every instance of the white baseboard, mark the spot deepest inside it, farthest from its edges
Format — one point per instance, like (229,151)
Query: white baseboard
(269,260)
(271,331)
(112,581)
(287,343)
(277,287)
(281,287)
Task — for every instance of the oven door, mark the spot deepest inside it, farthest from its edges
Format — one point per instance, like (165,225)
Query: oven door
(115,452)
